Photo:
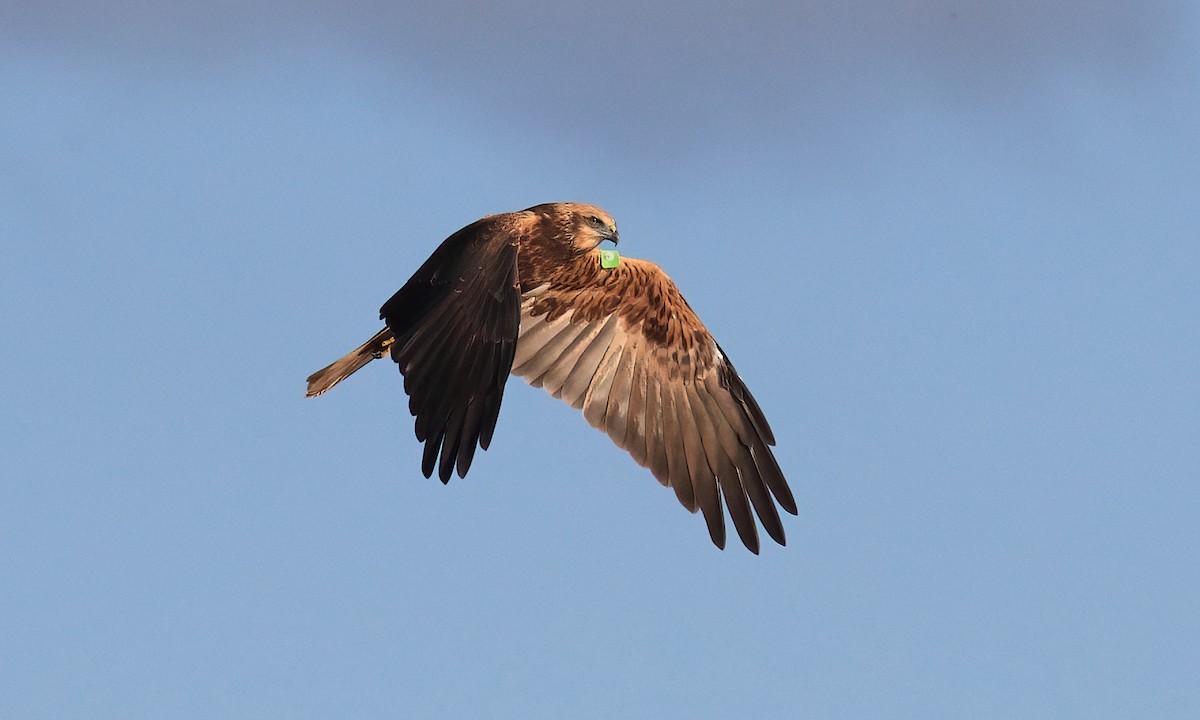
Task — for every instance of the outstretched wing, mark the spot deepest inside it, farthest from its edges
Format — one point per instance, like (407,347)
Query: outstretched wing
(455,322)
(632,355)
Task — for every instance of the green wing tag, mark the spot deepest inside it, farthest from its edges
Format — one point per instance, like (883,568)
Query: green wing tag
(609,259)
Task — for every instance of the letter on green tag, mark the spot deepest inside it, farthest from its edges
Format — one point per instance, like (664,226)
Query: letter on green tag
(609,259)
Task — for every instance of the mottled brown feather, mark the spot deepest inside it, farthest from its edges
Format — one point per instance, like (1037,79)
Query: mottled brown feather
(662,389)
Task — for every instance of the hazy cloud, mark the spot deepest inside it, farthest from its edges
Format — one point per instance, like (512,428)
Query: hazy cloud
(765,80)
(589,60)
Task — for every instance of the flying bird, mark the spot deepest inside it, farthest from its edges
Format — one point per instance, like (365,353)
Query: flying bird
(531,293)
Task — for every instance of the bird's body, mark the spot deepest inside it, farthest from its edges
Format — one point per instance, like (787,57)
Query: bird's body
(526,293)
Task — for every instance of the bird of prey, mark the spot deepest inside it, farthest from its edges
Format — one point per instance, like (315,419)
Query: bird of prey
(532,293)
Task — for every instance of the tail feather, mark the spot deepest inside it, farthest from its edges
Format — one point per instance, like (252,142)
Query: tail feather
(339,370)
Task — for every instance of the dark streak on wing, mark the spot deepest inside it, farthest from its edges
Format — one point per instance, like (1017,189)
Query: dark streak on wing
(456,322)
(758,436)
(702,477)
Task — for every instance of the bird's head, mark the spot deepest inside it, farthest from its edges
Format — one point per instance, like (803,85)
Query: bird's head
(583,226)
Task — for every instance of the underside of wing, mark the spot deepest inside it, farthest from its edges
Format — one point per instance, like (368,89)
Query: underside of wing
(456,323)
(651,377)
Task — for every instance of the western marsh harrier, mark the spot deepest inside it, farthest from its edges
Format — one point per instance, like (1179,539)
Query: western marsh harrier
(532,293)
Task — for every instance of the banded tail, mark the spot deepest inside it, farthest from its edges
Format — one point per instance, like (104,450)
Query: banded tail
(339,370)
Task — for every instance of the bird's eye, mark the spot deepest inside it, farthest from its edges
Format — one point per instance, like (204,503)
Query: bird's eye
(595,221)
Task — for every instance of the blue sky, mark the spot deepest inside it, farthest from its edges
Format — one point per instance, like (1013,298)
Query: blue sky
(952,247)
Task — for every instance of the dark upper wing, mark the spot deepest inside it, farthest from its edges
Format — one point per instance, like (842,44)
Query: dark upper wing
(632,355)
(456,322)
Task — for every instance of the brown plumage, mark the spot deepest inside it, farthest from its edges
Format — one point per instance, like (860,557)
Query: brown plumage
(525,293)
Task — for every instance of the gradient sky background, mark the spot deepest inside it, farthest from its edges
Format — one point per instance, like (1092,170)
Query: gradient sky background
(954,249)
